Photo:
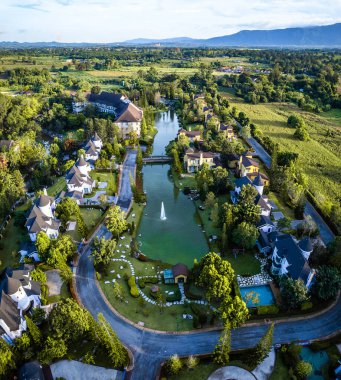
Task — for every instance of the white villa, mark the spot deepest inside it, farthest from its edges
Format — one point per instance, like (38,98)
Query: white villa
(18,293)
(128,116)
(290,258)
(93,148)
(78,179)
(41,218)
(258,183)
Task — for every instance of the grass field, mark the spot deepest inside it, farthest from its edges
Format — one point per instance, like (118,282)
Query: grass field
(280,372)
(57,187)
(319,158)
(12,237)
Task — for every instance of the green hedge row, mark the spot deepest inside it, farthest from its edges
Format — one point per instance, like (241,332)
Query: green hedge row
(134,292)
(270,309)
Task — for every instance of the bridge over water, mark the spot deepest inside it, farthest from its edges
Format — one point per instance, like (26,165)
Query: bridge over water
(157,159)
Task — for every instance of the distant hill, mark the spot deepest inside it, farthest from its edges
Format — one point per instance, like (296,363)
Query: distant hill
(313,36)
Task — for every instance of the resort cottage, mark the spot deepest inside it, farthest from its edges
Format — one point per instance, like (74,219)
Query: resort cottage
(18,294)
(178,273)
(192,135)
(290,258)
(78,180)
(193,161)
(41,218)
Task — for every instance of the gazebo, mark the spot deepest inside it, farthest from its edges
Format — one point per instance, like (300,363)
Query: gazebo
(178,273)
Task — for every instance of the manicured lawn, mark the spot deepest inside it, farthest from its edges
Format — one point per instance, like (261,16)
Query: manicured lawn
(91,216)
(12,237)
(282,206)
(188,180)
(57,187)
(109,178)
(245,263)
(319,158)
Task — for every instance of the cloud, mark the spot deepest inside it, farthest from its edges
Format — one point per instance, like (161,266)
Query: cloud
(31,6)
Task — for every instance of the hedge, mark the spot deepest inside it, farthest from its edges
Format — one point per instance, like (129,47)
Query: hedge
(134,291)
(151,280)
(270,309)
(131,281)
(141,283)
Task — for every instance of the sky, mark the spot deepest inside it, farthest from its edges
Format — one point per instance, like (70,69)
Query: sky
(120,20)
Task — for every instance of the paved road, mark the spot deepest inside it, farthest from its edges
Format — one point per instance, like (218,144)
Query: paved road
(325,232)
(150,349)
(128,171)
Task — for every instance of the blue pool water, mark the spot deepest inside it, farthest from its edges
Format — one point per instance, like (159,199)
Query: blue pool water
(317,359)
(259,295)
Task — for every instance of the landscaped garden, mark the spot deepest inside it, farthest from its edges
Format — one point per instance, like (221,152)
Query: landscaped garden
(109,178)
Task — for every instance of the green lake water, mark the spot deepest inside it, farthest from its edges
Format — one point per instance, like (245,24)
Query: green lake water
(178,238)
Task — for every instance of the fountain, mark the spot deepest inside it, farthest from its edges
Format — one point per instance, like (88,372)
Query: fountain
(163,213)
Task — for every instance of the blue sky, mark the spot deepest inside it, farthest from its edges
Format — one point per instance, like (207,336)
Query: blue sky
(119,20)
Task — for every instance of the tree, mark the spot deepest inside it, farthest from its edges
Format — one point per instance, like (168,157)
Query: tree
(327,283)
(215,214)
(303,369)
(192,362)
(262,349)
(68,321)
(139,162)
(210,200)
(53,349)
(293,292)
(103,251)
(7,358)
(118,293)
(43,244)
(133,138)
(33,330)
(108,339)
(115,221)
(233,311)
(176,161)
(174,364)
(302,134)
(245,235)
(295,121)
(222,349)
(38,275)
(284,223)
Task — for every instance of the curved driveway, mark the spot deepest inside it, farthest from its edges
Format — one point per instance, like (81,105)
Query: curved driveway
(151,348)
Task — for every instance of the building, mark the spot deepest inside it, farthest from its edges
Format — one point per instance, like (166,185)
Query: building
(289,259)
(41,218)
(18,294)
(93,148)
(193,161)
(178,273)
(128,116)
(227,131)
(78,179)
(247,165)
(192,135)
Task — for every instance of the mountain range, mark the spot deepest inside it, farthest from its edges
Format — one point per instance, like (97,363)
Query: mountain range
(303,37)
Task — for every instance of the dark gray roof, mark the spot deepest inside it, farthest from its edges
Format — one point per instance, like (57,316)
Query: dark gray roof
(108,98)
(81,162)
(12,285)
(258,181)
(243,181)
(260,201)
(305,244)
(9,312)
(287,248)
(264,220)
(96,137)
(44,200)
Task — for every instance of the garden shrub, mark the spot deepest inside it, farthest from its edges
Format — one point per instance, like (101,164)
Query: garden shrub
(270,309)
(141,283)
(199,313)
(134,291)
(306,305)
(131,281)
(98,276)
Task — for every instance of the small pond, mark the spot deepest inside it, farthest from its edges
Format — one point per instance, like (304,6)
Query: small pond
(178,238)
(258,295)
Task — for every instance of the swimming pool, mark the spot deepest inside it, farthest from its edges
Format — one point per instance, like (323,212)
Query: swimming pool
(317,359)
(257,295)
